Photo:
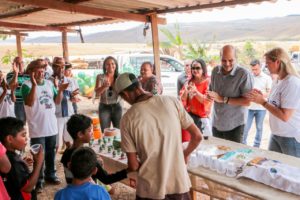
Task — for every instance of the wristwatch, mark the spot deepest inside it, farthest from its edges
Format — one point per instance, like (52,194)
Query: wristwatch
(225,100)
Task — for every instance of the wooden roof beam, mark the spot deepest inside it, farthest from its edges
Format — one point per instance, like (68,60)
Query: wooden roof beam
(210,5)
(75,8)
(20,13)
(13,33)
(34,27)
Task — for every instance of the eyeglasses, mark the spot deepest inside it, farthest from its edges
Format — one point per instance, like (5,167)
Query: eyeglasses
(196,68)
(110,91)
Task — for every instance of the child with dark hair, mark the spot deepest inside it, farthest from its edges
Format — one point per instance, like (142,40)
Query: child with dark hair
(83,165)
(80,128)
(19,182)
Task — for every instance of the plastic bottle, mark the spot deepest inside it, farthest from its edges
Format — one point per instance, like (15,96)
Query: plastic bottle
(96,126)
(206,128)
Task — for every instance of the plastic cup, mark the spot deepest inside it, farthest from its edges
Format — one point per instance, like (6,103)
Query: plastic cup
(193,161)
(231,170)
(206,159)
(35,148)
(221,167)
(200,158)
(213,164)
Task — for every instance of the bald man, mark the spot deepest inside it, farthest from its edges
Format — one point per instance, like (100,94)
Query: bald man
(229,84)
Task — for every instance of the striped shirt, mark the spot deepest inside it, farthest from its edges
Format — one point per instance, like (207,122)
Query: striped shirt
(21,79)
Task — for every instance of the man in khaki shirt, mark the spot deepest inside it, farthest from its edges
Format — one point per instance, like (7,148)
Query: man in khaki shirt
(151,138)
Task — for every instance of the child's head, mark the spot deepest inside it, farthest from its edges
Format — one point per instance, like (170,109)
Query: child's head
(83,163)
(80,127)
(12,133)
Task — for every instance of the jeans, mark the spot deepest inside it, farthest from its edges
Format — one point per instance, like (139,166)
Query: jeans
(75,107)
(110,113)
(49,144)
(235,135)
(20,111)
(259,116)
(285,145)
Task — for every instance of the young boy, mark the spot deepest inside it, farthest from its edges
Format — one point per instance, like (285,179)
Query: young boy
(19,182)
(69,75)
(81,130)
(83,165)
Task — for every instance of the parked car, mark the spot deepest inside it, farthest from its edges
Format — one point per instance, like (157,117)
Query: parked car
(295,58)
(171,68)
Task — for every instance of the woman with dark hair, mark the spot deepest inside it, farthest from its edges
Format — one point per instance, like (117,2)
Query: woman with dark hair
(148,80)
(193,95)
(110,110)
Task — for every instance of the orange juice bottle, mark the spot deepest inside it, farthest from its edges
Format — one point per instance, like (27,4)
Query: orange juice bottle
(96,127)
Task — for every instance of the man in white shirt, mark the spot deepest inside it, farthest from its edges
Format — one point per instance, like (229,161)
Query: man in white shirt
(40,97)
(262,82)
(151,138)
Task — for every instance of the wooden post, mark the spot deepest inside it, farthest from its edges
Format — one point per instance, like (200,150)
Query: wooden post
(155,42)
(19,46)
(65,46)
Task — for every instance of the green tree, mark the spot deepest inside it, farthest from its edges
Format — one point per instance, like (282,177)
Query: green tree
(10,55)
(174,40)
(249,50)
(197,50)
(3,37)
(247,53)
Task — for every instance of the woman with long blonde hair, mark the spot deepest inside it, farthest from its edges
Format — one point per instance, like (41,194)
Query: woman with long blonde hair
(283,103)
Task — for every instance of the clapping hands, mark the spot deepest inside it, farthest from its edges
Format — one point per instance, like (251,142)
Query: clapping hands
(214,96)
(255,96)
(15,68)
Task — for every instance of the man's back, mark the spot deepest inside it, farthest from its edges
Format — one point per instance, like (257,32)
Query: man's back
(152,128)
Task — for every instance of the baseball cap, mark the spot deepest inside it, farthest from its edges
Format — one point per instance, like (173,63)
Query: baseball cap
(254,62)
(124,81)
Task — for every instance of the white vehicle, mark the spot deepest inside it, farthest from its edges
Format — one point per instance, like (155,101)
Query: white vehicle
(171,68)
(295,58)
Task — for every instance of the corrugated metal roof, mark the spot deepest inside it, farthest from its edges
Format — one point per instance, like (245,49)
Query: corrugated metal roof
(56,13)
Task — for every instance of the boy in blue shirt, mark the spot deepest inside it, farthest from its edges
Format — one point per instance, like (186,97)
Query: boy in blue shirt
(83,165)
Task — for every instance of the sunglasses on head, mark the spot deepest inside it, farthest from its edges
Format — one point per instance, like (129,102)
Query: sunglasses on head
(196,68)
(110,91)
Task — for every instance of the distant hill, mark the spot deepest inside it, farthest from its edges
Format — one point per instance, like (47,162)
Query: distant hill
(280,28)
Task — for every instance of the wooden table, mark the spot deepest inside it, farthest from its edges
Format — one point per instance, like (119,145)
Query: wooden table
(220,186)
(223,187)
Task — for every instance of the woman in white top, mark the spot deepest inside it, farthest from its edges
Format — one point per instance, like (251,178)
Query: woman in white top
(283,103)
(110,110)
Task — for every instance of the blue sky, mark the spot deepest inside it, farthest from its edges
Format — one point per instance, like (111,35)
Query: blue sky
(251,11)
